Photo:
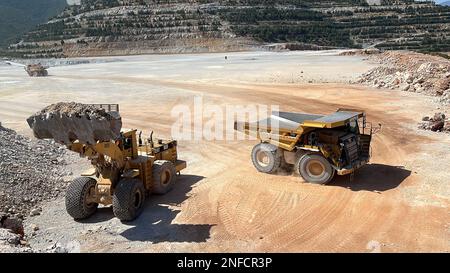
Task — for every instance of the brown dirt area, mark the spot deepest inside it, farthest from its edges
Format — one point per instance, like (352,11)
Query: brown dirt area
(398,203)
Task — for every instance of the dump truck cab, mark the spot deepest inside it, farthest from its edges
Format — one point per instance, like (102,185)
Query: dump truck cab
(318,146)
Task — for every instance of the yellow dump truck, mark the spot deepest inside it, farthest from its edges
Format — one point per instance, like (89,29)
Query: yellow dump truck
(317,146)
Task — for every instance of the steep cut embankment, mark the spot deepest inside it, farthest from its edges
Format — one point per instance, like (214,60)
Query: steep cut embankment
(111,27)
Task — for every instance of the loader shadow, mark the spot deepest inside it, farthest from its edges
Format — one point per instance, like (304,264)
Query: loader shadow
(374,177)
(103,214)
(155,223)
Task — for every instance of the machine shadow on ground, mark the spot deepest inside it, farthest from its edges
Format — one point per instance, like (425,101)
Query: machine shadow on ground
(373,177)
(155,223)
(103,214)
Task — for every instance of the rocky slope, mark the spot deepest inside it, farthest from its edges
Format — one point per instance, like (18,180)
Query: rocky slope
(411,72)
(113,27)
(31,173)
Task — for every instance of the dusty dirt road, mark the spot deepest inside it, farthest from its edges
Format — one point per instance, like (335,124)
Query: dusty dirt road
(398,203)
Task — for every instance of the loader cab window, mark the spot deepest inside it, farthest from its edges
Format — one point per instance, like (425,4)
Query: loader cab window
(353,126)
(128,143)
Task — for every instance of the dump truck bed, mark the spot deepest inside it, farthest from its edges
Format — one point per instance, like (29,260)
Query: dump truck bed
(288,121)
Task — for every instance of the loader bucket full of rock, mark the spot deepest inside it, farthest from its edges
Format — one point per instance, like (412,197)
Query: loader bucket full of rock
(69,122)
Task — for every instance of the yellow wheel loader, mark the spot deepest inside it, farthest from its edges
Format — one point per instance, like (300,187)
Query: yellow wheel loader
(317,146)
(126,168)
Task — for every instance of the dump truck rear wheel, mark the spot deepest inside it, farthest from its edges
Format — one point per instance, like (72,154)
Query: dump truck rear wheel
(266,158)
(77,198)
(164,176)
(316,169)
(128,199)
(298,156)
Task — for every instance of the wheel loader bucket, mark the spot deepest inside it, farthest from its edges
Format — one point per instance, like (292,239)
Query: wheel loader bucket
(69,122)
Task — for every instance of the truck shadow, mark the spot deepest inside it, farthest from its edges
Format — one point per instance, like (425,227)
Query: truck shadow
(374,177)
(155,223)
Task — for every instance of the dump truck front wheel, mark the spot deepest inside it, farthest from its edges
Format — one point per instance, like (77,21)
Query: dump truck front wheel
(266,158)
(77,198)
(128,199)
(164,176)
(316,169)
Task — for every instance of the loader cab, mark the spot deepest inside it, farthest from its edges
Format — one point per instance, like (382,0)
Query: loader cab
(353,126)
(128,144)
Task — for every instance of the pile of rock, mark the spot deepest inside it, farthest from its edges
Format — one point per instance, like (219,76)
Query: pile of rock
(74,109)
(9,241)
(30,172)
(437,123)
(411,72)
(67,122)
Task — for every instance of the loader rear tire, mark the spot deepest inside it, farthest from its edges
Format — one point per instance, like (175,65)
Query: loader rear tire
(266,158)
(128,199)
(164,176)
(315,169)
(77,204)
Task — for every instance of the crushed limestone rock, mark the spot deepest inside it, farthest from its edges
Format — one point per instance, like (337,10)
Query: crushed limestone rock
(68,122)
(411,72)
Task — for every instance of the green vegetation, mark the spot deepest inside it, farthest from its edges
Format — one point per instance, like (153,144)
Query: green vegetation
(402,26)
(19,16)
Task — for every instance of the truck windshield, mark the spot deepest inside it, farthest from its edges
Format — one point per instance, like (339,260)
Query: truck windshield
(128,143)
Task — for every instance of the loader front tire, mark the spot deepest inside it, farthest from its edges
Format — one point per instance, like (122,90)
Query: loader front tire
(266,158)
(164,176)
(315,169)
(128,199)
(77,198)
